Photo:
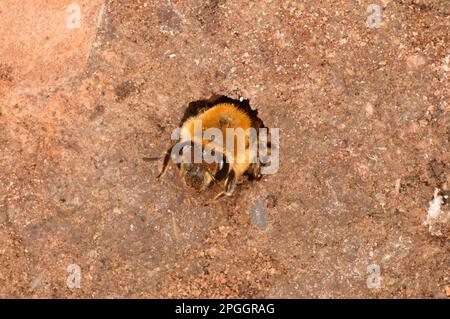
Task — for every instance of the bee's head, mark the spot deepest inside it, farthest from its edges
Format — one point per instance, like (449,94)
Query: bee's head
(196,176)
(200,175)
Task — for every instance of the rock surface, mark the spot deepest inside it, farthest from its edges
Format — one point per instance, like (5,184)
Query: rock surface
(87,92)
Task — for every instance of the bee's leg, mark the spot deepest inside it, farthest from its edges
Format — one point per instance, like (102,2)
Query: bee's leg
(230,184)
(263,161)
(166,161)
(217,197)
(254,171)
(210,201)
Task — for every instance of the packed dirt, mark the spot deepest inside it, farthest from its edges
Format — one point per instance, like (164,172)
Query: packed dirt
(358,208)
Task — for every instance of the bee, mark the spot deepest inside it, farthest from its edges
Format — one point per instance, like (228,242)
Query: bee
(219,113)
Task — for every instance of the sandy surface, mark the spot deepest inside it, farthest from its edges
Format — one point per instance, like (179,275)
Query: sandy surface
(364,117)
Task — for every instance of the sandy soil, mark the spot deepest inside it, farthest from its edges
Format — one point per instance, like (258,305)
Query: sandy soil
(364,115)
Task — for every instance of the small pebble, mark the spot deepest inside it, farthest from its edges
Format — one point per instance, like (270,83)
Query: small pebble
(258,215)
(381,198)
(415,62)
(369,109)
(35,282)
